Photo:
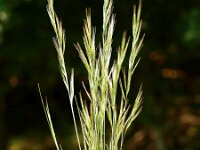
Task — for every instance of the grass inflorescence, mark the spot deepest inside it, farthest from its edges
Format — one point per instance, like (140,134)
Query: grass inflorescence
(104,78)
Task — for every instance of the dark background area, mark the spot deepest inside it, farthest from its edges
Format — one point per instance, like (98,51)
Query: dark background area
(169,71)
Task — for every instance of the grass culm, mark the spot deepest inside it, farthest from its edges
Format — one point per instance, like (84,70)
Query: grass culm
(103,122)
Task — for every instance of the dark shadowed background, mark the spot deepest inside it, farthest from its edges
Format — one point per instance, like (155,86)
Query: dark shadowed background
(169,71)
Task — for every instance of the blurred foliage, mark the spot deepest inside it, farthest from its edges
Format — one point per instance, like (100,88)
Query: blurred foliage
(169,71)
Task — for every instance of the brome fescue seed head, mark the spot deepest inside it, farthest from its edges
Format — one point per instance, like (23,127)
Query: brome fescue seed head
(104,79)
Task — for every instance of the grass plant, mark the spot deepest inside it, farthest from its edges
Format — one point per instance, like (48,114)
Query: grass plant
(104,78)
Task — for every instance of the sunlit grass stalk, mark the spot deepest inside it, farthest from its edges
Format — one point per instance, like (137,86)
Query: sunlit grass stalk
(59,43)
(48,117)
(103,77)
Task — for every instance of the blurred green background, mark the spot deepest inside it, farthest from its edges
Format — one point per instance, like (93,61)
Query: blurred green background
(169,71)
